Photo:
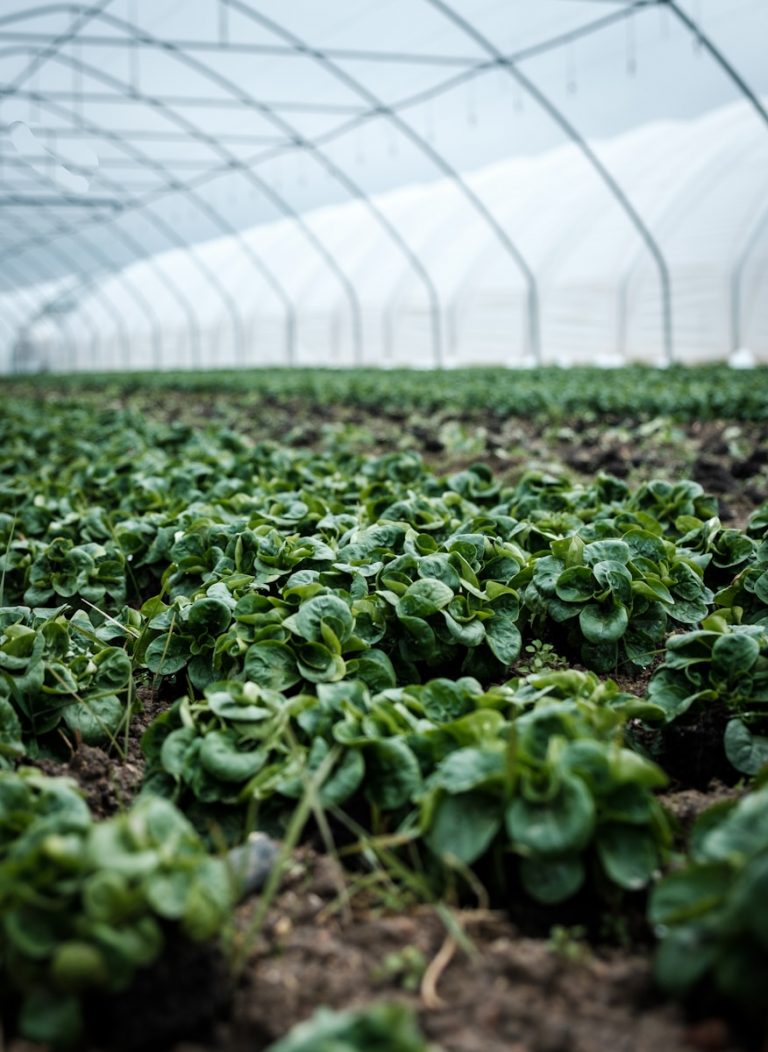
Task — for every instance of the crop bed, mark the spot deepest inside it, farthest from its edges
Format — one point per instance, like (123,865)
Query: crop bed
(496,680)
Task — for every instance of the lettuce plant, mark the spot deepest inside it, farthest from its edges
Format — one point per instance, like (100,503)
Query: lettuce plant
(722,670)
(84,905)
(615,596)
(58,673)
(537,767)
(709,914)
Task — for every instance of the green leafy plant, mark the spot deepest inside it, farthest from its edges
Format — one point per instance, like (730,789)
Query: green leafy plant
(709,914)
(84,905)
(57,674)
(722,670)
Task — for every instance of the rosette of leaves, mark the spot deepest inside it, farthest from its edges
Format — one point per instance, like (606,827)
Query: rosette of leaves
(449,612)
(230,746)
(614,596)
(747,594)
(558,792)
(710,913)
(185,634)
(722,673)
(667,502)
(730,550)
(85,905)
(56,673)
(65,570)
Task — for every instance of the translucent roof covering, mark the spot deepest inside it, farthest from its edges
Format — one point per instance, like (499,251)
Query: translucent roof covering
(224,182)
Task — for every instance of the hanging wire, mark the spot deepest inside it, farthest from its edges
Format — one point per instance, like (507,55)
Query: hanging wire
(571,84)
(223,23)
(631,46)
(429,120)
(471,103)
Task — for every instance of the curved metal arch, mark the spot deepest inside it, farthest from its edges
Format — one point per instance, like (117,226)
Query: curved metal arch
(154,221)
(83,15)
(116,271)
(77,228)
(454,81)
(234,163)
(208,210)
(547,44)
(338,173)
(735,77)
(667,212)
(43,308)
(109,307)
(737,278)
(447,169)
(714,52)
(575,136)
(22,322)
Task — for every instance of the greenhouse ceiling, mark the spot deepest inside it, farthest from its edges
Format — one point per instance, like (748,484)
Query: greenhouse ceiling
(134,129)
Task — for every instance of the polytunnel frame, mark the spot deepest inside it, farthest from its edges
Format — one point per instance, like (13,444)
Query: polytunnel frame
(149,216)
(219,221)
(83,15)
(299,47)
(351,185)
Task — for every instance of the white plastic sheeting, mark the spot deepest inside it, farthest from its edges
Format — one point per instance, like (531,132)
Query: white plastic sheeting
(701,187)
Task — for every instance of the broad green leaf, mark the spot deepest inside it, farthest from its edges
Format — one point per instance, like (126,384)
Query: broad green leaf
(393,774)
(552,880)
(423,598)
(747,752)
(628,854)
(603,623)
(464,826)
(554,826)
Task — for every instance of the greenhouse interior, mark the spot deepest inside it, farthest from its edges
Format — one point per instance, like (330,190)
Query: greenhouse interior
(384,526)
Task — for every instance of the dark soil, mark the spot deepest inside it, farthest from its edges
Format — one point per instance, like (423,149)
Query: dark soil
(498,991)
(109,783)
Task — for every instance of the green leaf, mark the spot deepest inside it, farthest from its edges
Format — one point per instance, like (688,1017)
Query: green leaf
(689,893)
(50,1017)
(344,780)
(554,826)
(682,959)
(464,826)
(576,585)
(504,638)
(167,654)
(551,880)
(95,720)
(78,965)
(271,664)
(11,744)
(221,756)
(628,854)
(603,623)
(423,598)
(747,752)
(467,769)
(208,616)
(393,771)
(323,610)
(734,654)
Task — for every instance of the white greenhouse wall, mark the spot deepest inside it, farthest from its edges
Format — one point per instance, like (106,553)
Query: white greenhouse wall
(700,187)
